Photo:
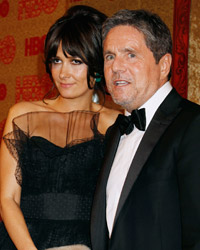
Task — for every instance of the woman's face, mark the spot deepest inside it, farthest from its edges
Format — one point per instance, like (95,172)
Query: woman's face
(70,76)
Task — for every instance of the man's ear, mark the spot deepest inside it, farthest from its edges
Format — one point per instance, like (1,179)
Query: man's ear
(165,65)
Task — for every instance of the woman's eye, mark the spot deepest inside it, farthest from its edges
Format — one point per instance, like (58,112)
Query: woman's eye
(77,61)
(55,60)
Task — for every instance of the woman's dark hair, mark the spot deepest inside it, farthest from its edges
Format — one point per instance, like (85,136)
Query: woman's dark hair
(79,31)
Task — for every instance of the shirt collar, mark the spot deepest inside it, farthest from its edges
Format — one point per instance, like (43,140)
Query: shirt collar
(154,102)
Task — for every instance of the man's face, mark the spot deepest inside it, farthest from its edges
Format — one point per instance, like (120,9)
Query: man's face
(131,73)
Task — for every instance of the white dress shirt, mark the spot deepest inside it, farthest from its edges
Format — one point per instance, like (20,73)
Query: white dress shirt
(126,150)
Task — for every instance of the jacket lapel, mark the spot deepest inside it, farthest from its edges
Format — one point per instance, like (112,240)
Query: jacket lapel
(99,231)
(163,117)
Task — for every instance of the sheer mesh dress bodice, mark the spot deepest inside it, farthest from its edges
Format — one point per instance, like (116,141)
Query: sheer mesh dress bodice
(58,159)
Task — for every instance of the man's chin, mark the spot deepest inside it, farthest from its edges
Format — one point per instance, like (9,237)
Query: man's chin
(123,103)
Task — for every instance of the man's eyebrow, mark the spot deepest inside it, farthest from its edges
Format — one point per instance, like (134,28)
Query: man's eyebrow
(128,49)
(107,52)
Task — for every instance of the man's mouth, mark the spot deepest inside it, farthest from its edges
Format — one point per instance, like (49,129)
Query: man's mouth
(120,83)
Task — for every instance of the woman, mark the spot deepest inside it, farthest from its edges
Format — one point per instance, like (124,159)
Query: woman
(52,149)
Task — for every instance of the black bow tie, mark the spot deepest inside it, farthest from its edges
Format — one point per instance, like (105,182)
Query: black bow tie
(126,123)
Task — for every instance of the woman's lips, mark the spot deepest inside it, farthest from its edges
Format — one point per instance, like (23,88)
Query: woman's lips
(66,85)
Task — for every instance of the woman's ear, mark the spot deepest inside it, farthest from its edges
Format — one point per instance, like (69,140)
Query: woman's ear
(165,65)
(92,81)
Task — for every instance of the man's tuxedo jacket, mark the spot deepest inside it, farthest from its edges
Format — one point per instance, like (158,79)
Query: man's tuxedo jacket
(159,207)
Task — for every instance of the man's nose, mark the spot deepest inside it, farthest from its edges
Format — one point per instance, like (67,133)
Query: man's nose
(118,65)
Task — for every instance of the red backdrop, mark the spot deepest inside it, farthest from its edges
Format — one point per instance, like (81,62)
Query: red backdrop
(180,45)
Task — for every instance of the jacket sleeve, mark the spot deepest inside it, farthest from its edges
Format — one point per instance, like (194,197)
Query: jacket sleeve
(188,172)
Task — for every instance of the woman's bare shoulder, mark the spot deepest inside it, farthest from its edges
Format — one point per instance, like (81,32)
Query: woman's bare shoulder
(109,115)
(112,113)
(23,107)
(107,118)
(19,109)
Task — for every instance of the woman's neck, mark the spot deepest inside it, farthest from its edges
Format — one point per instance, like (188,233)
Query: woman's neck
(67,105)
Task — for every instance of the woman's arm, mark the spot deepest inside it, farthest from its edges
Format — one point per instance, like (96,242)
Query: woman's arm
(10,193)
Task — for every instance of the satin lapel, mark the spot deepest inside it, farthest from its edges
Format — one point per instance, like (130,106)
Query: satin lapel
(112,145)
(161,120)
(98,219)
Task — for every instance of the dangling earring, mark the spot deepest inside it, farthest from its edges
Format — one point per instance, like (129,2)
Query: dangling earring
(95,98)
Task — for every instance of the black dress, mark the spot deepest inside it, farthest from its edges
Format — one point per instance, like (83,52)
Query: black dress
(58,160)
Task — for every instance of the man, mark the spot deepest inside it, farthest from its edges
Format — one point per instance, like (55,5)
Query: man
(148,194)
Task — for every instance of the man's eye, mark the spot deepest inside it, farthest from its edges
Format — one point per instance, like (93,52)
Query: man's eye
(131,55)
(109,57)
